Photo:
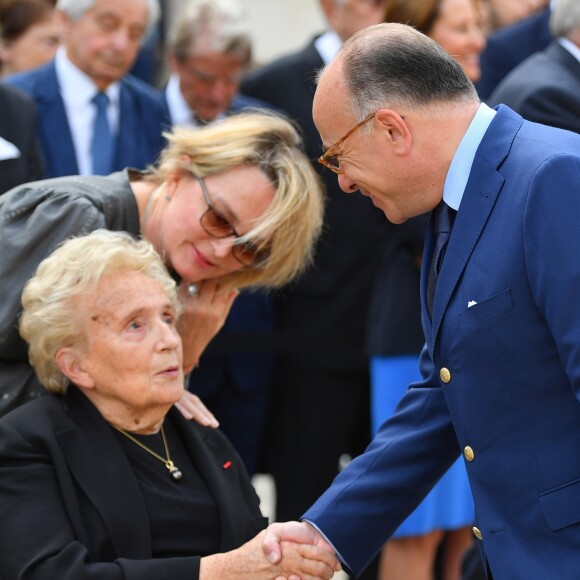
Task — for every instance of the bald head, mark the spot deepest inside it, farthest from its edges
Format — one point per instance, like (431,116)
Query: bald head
(390,64)
(392,109)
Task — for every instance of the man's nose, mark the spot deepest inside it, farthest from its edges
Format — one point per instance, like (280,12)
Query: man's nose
(346,184)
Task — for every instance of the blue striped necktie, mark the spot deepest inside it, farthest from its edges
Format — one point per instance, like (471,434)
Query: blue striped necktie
(102,143)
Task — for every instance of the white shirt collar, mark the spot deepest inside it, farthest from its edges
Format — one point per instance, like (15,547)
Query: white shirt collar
(328,45)
(179,110)
(462,161)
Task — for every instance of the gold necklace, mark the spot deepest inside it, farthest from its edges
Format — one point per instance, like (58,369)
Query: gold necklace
(174,471)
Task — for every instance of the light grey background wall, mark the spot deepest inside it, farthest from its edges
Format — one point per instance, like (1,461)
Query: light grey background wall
(278,26)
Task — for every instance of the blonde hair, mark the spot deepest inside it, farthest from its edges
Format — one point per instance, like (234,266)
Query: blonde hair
(292,223)
(50,298)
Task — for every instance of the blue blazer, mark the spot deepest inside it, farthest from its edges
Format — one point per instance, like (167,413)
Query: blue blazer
(142,119)
(506,327)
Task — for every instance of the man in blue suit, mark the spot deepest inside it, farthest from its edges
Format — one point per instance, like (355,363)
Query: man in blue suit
(102,41)
(500,308)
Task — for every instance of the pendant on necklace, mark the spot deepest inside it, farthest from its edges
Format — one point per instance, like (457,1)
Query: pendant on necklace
(174,472)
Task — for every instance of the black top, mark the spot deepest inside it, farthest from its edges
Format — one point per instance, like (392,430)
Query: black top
(186,507)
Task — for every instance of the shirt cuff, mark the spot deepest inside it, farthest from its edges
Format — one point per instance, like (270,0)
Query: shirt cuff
(338,555)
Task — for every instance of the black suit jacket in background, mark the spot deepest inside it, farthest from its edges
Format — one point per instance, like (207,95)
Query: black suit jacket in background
(322,317)
(18,126)
(510,46)
(545,89)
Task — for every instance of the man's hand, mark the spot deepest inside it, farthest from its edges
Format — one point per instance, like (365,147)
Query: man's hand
(192,408)
(303,561)
(299,532)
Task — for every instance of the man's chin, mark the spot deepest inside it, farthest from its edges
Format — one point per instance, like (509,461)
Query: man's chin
(112,74)
(209,115)
(394,217)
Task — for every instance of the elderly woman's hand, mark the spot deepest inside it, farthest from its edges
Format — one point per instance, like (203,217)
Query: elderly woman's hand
(203,316)
(298,562)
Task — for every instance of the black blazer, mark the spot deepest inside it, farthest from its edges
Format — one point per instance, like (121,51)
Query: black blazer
(70,506)
(323,315)
(509,46)
(545,88)
(394,326)
(18,126)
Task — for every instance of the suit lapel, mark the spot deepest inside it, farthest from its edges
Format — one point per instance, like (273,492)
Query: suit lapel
(99,466)
(481,193)
(219,470)
(54,130)
(126,143)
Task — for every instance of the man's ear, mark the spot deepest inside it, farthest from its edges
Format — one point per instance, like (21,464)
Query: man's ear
(68,360)
(395,129)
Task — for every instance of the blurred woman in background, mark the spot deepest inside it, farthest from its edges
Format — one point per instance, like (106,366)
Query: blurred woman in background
(30,33)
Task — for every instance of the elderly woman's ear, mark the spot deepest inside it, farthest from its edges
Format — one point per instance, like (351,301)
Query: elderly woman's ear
(71,366)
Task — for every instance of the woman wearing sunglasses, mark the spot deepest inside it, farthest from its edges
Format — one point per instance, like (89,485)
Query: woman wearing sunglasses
(232,205)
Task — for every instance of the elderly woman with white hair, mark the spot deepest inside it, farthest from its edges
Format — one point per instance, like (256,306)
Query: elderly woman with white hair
(102,478)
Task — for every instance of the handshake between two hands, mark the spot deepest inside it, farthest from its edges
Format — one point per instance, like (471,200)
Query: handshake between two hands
(300,551)
(288,551)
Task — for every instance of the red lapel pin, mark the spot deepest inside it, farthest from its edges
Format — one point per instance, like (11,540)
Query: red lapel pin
(227,464)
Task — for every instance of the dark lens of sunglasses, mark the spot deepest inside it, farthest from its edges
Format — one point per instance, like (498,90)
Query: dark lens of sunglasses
(215,225)
(250,255)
